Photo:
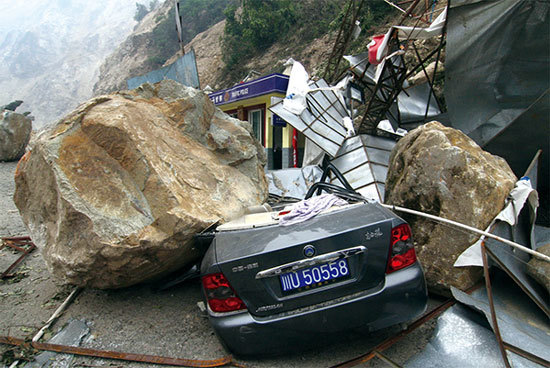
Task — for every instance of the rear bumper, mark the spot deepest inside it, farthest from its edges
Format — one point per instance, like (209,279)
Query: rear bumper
(403,297)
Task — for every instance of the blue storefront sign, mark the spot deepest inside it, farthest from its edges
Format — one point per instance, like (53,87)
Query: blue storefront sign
(268,84)
(278,121)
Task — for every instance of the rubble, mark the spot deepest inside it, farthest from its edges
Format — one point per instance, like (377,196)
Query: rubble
(441,171)
(15,133)
(113,194)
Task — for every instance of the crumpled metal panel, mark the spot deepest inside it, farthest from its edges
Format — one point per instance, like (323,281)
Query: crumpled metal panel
(359,63)
(530,131)
(293,182)
(71,335)
(461,339)
(183,71)
(497,62)
(364,160)
(412,103)
(514,262)
(515,222)
(520,321)
(322,120)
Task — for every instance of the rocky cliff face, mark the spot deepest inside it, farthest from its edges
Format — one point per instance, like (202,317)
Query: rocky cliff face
(129,59)
(50,52)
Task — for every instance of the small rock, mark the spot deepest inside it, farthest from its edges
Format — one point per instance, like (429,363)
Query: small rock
(15,133)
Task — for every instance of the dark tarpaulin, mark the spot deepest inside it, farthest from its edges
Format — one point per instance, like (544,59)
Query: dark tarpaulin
(497,78)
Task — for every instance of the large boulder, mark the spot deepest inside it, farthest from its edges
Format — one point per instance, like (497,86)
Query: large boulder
(114,193)
(440,171)
(15,132)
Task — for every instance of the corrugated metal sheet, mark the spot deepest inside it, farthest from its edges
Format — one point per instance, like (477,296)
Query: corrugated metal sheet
(322,120)
(183,71)
(364,160)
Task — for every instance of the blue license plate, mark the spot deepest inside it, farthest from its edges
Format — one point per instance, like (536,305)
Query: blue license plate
(315,276)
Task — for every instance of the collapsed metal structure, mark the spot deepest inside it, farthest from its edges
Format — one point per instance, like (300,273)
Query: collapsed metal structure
(496,90)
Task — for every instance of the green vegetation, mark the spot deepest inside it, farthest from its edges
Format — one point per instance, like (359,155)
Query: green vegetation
(142,11)
(253,25)
(315,17)
(197,16)
(374,13)
(164,41)
(259,24)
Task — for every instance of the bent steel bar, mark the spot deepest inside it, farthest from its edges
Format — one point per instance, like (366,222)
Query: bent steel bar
(18,244)
(228,360)
(305,263)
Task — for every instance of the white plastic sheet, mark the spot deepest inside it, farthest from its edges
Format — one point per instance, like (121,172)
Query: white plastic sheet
(295,100)
(521,193)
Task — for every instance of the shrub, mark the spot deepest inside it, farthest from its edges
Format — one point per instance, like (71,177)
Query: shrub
(260,24)
(141,12)
(198,15)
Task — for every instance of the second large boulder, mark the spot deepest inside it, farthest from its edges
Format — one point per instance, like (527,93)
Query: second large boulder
(441,171)
(115,192)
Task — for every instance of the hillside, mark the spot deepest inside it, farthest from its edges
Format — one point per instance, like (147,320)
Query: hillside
(50,51)
(130,57)
(154,42)
(309,40)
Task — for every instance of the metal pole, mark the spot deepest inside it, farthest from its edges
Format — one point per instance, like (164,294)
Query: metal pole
(492,306)
(469,228)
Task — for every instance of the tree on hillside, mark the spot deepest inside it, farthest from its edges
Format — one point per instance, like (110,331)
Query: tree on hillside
(153,4)
(197,16)
(259,25)
(141,12)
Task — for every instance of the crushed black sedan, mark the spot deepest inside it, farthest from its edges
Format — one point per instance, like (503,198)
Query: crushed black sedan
(269,287)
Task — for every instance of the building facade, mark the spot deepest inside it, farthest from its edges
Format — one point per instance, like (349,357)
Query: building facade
(249,101)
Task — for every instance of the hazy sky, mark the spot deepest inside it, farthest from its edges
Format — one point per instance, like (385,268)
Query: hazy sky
(51,50)
(27,14)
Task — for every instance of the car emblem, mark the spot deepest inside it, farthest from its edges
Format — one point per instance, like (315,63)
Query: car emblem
(309,251)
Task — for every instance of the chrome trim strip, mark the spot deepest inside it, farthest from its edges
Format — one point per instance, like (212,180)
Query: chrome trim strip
(304,263)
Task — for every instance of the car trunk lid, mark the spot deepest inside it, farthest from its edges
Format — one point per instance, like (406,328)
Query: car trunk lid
(274,269)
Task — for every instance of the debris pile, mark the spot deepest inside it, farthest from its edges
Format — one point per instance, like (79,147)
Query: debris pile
(114,193)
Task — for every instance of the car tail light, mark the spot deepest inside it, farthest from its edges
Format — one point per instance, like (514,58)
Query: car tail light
(220,295)
(402,252)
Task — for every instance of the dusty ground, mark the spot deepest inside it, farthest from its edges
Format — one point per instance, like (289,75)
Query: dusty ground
(142,320)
